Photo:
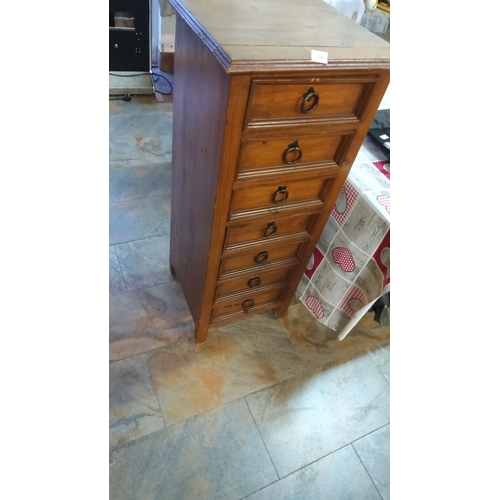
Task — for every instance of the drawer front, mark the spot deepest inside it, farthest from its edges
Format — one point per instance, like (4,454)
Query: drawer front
(260,257)
(246,304)
(289,151)
(268,230)
(302,100)
(276,195)
(254,281)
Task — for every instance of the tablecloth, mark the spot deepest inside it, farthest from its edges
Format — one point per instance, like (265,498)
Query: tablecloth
(350,267)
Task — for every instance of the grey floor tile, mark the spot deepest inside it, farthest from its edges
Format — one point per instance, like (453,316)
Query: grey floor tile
(216,455)
(145,263)
(116,281)
(316,413)
(339,476)
(140,125)
(381,357)
(132,183)
(138,219)
(234,361)
(113,107)
(317,344)
(138,151)
(374,452)
(133,405)
(148,319)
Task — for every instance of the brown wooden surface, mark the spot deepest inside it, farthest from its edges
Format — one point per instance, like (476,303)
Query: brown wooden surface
(230,148)
(273,228)
(262,196)
(244,35)
(315,149)
(242,69)
(240,314)
(283,99)
(275,253)
(236,304)
(371,108)
(264,277)
(197,150)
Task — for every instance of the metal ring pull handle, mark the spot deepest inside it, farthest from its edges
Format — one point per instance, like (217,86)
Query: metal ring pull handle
(280,195)
(271,229)
(261,257)
(293,147)
(253,282)
(247,305)
(310,94)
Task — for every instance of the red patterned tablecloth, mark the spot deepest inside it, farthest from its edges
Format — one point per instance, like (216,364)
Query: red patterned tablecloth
(349,269)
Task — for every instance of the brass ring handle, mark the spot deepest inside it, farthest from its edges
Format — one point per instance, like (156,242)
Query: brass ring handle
(271,229)
(310,94)
(280,195)
(261,257)
(253,282)
(294,146)
(247,304)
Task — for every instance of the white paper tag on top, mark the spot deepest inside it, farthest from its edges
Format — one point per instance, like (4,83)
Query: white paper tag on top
(319,56)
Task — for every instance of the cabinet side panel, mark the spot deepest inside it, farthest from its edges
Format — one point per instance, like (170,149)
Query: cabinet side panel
(201,92)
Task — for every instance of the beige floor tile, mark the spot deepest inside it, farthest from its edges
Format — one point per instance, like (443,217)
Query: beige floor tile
(235,360)
(318,344)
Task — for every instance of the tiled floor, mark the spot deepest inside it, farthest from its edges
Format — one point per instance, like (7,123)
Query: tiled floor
(265,408)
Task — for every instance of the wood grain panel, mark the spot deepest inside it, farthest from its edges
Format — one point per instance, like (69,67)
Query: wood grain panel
(196,154)
(262,154)
(267,230)
(246,303)
(240,81)
(273,254)
(282,33)
(254,281)
(283,99)
(262,196)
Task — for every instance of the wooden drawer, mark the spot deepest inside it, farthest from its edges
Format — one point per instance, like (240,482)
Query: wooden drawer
(334,99)
(254,281)
(248,197)
(292,150)
(260,258)
(245,304)
(268,230)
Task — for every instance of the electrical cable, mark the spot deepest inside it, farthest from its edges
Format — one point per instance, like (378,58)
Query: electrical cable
(168,81)
(154,81)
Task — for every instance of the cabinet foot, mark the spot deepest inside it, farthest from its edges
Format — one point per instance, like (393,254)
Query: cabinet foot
(172,271)
(200,333)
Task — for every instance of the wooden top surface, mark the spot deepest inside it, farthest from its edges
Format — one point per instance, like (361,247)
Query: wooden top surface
(263,35)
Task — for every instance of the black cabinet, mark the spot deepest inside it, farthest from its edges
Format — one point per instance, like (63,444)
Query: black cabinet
(129,35)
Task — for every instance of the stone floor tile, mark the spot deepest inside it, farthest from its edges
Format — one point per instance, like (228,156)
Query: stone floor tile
(145,263)
(317,344)
(116,281)
(313,414)
(381,357)
(133,183)
(218,455)
(138,219)
(234,360)
(140,124)
(374,452)
(339,476)
(147,319)
(133,405)
(139,151)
